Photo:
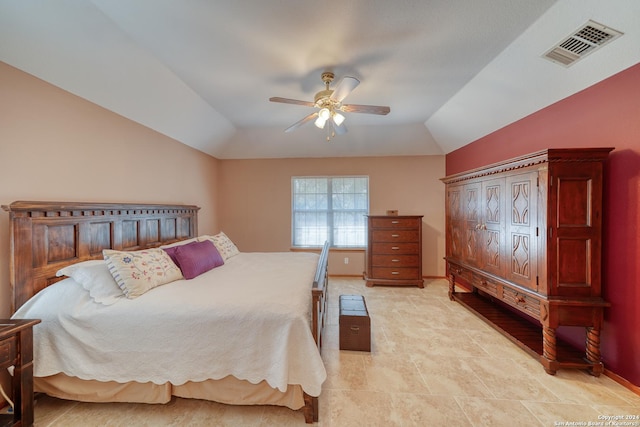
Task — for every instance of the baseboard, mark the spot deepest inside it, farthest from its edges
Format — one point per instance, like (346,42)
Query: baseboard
(622,381)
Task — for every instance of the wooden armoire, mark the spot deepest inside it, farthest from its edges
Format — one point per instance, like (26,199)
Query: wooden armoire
(525,237)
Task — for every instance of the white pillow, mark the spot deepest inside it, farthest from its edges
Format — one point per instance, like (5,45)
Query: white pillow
(94,276)
(224,245)
(137,272)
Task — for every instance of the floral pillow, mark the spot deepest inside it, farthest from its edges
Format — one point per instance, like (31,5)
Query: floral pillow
(137,272)
(224,245)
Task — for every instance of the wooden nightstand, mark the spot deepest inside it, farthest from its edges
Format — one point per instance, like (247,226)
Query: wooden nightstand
(16,349)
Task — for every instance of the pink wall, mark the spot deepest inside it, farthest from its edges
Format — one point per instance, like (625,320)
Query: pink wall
(58,147)
(604,115)
(255,201)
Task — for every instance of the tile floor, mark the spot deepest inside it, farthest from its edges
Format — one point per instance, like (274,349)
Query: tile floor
(432,364)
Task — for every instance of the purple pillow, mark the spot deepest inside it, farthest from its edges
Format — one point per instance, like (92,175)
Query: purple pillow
(171,251)
(196,258)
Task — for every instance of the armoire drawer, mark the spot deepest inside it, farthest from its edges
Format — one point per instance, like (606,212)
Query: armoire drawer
(395,261)
(462,273)
(522,302)
(486,285)
(395,273)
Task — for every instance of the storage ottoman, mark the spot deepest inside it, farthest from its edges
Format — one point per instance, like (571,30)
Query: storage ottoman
(355,324)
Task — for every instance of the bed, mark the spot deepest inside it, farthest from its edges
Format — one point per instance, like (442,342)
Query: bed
(247,332)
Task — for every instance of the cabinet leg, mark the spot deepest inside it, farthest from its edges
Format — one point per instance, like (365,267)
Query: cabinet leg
(452,286)
(593,351)
(549,355)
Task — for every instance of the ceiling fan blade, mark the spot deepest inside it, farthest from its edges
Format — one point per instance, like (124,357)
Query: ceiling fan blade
(292,101)
(299,123)
(368,109)
(344,88)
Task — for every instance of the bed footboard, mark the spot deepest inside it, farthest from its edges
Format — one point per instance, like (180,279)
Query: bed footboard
(319,313)
(319,295)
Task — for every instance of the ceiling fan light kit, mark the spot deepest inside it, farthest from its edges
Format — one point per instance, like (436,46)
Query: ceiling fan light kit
(329,105)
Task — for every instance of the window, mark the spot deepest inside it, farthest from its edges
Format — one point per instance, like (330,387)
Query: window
(330,208)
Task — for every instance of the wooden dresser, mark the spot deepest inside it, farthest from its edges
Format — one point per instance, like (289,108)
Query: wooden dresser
(526,236)
(394,251)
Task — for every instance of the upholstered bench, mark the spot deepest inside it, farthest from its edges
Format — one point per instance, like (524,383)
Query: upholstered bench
(355,323)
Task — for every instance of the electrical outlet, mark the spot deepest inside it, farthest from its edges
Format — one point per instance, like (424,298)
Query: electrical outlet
(346,260)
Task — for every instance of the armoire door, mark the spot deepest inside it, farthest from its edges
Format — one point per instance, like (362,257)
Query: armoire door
(472,211)
(492,227)
(455,221)
(522,229)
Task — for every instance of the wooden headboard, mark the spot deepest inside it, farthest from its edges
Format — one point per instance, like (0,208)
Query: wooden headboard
(46,236)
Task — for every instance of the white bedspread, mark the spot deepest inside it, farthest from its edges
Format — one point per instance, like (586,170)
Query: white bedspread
(248,318)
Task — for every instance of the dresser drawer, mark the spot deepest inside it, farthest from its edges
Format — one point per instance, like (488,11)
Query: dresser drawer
(395,222)
(395,273)
(395,248)
(395,261)
(7,352)
(395,235)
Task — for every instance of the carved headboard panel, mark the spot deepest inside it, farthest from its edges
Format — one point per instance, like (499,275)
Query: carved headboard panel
(46,236)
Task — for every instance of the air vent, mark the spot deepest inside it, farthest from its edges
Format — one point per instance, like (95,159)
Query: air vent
(586,39)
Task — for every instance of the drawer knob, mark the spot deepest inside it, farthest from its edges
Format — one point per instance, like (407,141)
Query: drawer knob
(395,222)
(395,272)
(394,248)
(395,260)
(395,235)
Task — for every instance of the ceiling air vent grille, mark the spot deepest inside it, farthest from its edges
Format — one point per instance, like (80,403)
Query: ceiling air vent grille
(582,42)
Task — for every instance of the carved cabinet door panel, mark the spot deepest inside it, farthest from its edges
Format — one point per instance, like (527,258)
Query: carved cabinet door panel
(522,229)
(455,221)
(492,227)
(472,212)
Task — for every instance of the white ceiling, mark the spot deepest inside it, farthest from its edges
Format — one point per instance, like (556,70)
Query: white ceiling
(202,71)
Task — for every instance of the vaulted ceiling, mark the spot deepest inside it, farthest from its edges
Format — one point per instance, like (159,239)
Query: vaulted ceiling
(202,72)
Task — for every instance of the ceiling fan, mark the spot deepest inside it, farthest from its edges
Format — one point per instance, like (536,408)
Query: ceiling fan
(329,106)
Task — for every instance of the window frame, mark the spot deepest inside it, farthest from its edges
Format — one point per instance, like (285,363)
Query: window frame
(330,211)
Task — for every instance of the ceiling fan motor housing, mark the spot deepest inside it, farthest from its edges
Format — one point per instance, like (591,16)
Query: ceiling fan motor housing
(322,98)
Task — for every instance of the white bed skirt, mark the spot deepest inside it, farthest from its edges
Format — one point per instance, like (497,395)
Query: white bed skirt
(229,390)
